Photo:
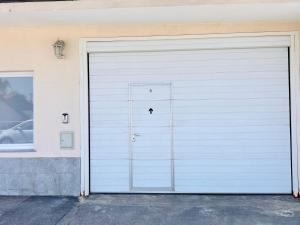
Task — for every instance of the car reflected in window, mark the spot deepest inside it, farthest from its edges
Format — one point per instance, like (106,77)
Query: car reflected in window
(21,133)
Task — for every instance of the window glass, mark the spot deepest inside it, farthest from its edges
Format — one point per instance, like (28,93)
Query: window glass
(16,109)
(27,125)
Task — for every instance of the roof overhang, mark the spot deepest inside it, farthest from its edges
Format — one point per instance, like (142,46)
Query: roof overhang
(82,13)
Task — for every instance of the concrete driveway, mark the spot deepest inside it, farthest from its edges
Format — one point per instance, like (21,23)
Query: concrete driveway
(151,209)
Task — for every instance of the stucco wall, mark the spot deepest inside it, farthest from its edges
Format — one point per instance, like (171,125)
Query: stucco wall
(138,3)
(56,82)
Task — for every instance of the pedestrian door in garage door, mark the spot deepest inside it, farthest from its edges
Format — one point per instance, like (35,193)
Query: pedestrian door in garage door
(151,137)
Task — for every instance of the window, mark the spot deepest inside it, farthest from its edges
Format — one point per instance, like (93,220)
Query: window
(16,111)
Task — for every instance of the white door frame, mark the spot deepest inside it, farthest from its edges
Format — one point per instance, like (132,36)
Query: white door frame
(213,41)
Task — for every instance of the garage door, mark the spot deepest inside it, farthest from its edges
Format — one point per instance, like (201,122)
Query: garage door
(190,121)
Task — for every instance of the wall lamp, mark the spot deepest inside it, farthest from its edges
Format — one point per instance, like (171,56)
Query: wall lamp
(59,47)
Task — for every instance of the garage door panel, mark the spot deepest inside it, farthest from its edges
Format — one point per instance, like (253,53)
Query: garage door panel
(226,179)
(225,81)
(97,92)
(113,97)
(152,142)
(201,91)
(228,119)
(109,175)
(234,142)
(110,123)
(107,154)
(151,173)
(152,130)
(246,91)
(231,102)
(101,144)
(201,58)
(224,123)
(229,114)
(98,83)
(236,148)
(190,77)
(110,118)
(232,190)
(278,130)
(254,165)
(133,73)
(231,154)
(108,131)
(252,53)
(113,110)
(108,137)
(231,111)
(98,145)
(241,184)
(154,147)
(108,113)
(183,76)
(232,174)
(207,65)
(109,105)
(223,188)
(232,95)
(152,155)
(103,149)
(181,136)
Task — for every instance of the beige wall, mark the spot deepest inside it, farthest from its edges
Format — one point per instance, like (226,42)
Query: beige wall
(143,3)
(56,82)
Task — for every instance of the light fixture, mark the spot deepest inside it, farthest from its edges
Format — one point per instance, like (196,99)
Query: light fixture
(59,47)
(65,118)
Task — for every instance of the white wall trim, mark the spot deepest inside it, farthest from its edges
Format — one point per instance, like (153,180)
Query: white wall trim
(124,12)
(84,119)
(17,73)
(211,41)
(295,96)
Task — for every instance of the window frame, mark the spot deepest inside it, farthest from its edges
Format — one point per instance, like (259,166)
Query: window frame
(26,147)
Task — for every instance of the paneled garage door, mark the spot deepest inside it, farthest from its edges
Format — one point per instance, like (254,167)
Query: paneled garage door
(194,121)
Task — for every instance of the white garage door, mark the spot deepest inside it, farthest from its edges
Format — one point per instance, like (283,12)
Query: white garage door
(202,121)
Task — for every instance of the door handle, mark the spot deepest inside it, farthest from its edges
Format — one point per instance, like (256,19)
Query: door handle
(133,138)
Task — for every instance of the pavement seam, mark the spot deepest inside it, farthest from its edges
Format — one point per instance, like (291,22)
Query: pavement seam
(65,214)
(14,208)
